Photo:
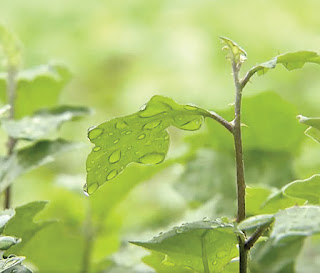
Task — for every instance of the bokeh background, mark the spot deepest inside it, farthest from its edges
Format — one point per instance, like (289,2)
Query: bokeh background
(121,53)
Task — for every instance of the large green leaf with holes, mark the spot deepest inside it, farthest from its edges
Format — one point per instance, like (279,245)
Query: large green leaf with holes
(43,122)
(141,137)
(314,130)
(204,246)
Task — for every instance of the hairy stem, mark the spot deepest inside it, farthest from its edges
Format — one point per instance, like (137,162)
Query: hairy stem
(241,186)
(11,96)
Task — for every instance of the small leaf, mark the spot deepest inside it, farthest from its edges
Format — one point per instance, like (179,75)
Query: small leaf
(290,61)
(43,122)
(141,137)
(29,158)
(308,189)
(22,224)
(256,221)
(235,52)
(198,245)
(39,86)
(314,130)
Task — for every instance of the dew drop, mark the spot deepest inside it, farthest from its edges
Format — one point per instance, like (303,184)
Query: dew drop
(142,136)
(112,174)
(179,230)
(130,147)
(152,125)
(221,254)
(115,157)
(90,189)
(214,262)
(94,133)
(97,149)
(110,134)
(206,219)
(152,158)
(128,132)
(116,141)
(99,166)
(121,125)
(143,107)
(88,169)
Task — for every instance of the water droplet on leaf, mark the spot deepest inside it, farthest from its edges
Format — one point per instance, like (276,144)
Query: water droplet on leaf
(152,158)
(96,149)
(142,136)
(115,157)
(121,125)
(116,141)
(190,107)
(112,174)
(152,125)
(94,133)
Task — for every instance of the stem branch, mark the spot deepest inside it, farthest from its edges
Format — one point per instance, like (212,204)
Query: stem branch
(255,236)
(221,120)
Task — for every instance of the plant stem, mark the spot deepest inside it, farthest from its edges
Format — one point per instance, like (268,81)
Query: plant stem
(88,241)
(11,96)
(221,120)
(241,186)
(255,236)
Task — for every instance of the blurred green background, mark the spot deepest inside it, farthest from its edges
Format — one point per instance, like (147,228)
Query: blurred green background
(123,52)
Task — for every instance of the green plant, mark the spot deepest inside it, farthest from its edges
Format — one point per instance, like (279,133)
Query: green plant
(211,245)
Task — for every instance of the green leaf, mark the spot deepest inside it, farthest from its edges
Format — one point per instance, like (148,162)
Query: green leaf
(256,221)
(22,224)
(235,52)
(141,137)
(43,122)
(8,241)
(5,216)
(39,86)
(204,246)
(308,189)
(314,130)
(290,228)
(29,158)
(290,61)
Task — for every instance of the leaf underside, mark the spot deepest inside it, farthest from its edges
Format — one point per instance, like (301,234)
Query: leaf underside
(141,137)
